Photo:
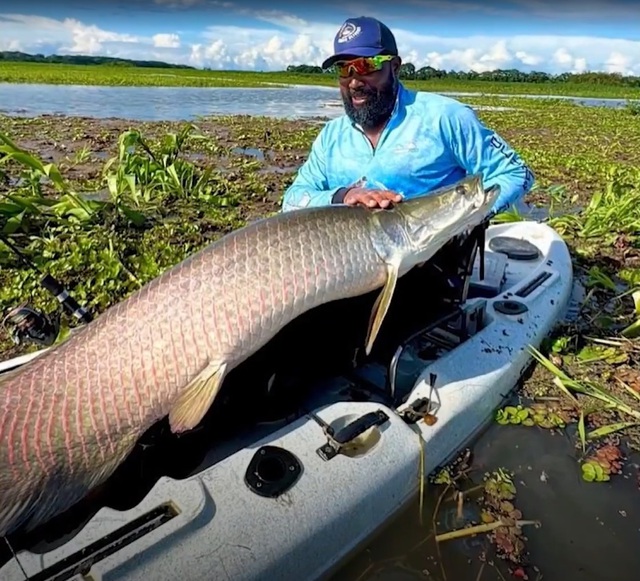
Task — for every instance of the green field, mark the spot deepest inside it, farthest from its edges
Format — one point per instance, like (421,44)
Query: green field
(19,72)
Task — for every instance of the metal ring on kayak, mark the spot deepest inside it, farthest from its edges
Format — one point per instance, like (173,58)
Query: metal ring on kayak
(510,307)
(272,471)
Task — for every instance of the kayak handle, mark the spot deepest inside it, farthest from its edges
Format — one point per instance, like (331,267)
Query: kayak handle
(338,440)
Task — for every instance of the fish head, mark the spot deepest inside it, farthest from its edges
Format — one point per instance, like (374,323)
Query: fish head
(436,217)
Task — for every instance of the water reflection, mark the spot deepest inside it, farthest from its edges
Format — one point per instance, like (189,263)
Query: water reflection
(166,103)
(187,103)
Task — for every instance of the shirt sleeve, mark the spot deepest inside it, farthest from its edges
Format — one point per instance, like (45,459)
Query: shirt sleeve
(310,186)
(481,150)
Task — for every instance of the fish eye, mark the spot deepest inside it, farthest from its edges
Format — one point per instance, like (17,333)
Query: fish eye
(461,190)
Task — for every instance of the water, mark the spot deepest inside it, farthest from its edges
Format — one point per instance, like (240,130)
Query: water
(588,533)
(166,103)
(586,101)
(188,103)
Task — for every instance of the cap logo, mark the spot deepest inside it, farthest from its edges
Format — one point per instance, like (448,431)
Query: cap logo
(348,32)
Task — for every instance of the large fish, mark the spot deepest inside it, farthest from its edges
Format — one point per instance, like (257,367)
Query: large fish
(71,416)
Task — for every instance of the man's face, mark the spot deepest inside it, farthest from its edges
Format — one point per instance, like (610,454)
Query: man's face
(369,98)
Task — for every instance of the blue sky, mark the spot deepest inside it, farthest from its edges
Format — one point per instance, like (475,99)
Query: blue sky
(566,35)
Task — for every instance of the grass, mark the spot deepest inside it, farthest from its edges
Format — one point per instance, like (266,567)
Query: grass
(16,72)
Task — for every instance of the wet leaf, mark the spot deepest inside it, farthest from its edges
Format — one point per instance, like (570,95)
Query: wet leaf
(592,353)
(506,506)
(610,429)
(588,472)
(486,517)
(632,331)
(581,431)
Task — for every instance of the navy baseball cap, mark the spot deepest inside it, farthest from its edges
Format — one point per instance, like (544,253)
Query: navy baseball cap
(362,36)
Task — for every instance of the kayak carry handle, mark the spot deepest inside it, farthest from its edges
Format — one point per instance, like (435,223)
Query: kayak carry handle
(345,436)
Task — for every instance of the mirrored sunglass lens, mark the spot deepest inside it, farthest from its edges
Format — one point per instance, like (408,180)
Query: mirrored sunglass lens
(361,67)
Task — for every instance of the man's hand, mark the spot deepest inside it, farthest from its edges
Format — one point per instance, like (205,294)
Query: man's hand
(371,198)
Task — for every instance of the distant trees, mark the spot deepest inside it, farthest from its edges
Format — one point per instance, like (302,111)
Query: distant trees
(408,71)
(16,56)
(304,69)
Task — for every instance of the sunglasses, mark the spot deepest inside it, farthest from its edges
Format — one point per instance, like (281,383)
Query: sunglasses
(361,66)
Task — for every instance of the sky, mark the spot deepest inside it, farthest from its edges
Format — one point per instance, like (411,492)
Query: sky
(545,35)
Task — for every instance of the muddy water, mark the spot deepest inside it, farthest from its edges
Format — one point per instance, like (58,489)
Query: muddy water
(589,532)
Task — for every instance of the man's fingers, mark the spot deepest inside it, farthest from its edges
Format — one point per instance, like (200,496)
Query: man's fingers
(373,199)
(382,200)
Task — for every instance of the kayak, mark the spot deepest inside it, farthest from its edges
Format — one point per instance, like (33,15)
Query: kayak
(294,494)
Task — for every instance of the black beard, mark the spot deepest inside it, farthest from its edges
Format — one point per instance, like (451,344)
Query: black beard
(376,110)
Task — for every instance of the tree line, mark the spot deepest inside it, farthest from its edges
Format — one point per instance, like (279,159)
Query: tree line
(409,72)
(74,59)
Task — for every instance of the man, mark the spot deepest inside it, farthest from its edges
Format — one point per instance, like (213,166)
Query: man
(394,143)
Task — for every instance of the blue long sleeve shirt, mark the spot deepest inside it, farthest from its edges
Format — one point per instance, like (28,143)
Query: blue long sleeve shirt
(430,141)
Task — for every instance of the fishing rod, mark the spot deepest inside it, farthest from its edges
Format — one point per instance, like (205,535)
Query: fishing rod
(30,324)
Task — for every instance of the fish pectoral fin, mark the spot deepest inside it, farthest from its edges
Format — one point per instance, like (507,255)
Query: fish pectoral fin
(381,306)
(192,404)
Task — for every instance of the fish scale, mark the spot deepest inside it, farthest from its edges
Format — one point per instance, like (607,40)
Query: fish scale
(72,415)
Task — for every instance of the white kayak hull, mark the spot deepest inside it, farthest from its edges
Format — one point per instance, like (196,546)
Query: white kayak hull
(221,529)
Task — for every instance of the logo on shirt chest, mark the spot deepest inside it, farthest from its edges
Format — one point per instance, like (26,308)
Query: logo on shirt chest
(401,148)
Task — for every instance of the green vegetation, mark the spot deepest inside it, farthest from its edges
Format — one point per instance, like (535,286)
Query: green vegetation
(74,59)
(497,82)
(588,374)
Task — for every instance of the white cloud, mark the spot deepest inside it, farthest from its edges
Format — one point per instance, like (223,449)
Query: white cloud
(619,63)
(68,36)
(162,40)
(291,40)
(528,59)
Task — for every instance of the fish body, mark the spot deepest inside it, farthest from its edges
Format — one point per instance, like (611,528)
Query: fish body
(71,416)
